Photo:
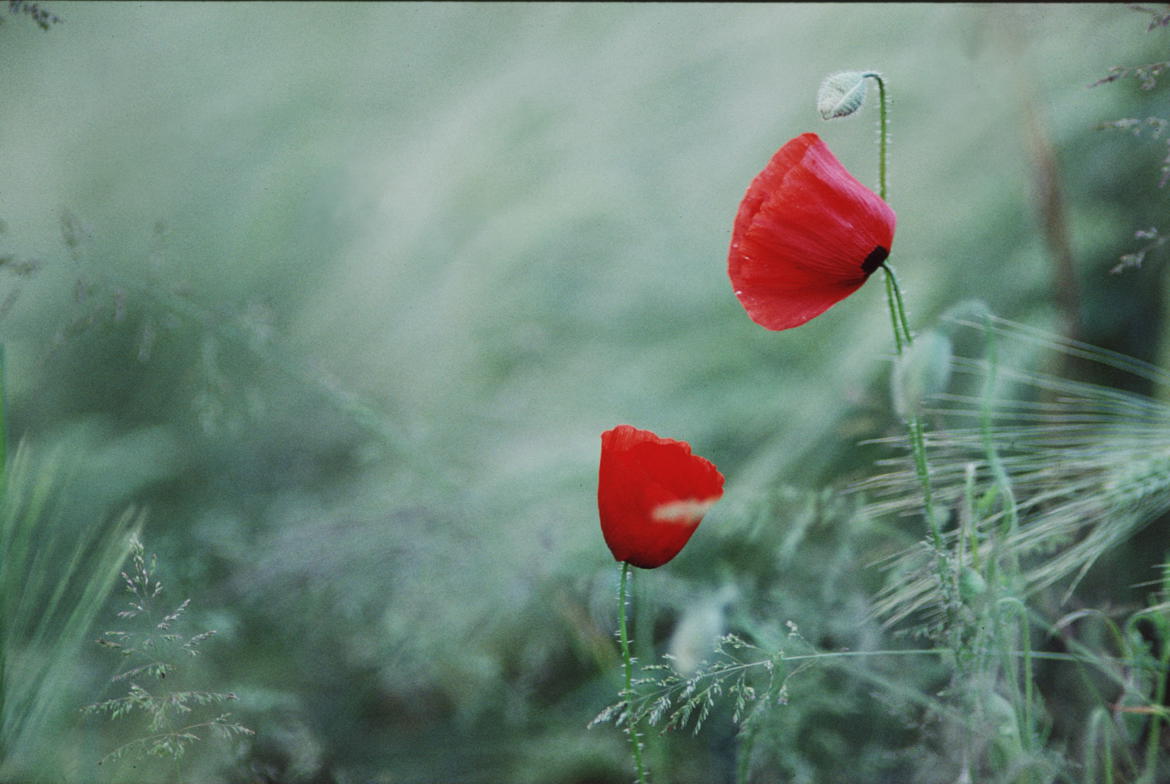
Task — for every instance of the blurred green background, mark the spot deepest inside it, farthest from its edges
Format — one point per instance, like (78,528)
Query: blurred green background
(343,296)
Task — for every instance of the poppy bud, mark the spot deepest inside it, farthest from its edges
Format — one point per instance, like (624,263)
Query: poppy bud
(842,94)
(971,584)
(702,621)
(923,370)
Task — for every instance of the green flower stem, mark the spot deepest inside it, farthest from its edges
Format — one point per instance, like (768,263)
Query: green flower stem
(883,133)
(631,723)
(903,339)
(1011,517)
(892,304)
(898,306)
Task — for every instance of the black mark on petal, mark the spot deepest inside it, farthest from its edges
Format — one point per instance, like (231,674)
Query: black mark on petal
(875,259)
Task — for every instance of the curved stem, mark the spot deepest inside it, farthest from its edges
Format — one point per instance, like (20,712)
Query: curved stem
(903,319)
(631,725)
(892,305)
(883,133)
(999,473)
(904,338)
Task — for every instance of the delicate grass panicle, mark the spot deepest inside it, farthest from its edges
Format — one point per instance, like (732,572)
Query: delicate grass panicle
(155,653)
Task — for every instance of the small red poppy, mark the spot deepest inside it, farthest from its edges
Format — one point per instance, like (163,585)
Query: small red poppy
(651,495)
(807,235)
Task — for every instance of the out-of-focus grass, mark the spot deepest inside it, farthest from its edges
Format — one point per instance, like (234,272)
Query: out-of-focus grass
(64,542)
(503,227)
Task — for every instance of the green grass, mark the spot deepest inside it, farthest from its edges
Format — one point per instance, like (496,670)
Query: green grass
(54,583)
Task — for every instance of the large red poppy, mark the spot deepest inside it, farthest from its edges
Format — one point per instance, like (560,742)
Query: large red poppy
(807,235)
(651,495)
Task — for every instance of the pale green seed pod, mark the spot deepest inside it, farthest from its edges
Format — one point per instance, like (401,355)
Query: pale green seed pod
(971,584)
(1002,717)
(923,370)
(703,623)
(842,94)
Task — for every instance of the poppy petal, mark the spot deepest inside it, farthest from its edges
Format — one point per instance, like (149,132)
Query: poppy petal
(652,492)
(806,236)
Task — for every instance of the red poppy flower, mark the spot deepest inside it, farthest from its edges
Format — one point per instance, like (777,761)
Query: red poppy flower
(651,495)
(807,235)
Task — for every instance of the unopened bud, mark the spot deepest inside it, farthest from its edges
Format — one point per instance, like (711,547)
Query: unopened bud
(971,584)
(842,94)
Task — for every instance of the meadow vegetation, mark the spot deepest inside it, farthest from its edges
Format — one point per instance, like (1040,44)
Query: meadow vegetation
(312,316)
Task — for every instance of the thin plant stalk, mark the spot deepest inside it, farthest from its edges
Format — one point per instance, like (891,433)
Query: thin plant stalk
(1157,717)
(1004,485)
(883,134)
(903,339)
(628,664)
(1026,710)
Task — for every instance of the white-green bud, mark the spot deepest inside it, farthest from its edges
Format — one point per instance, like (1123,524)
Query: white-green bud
(703,622)
(842,94)
(971,584)
(1001,715)
(923,370)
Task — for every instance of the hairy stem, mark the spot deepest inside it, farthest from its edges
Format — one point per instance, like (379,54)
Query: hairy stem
(631,726)
(892,305)
(883,134)
(903,339)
